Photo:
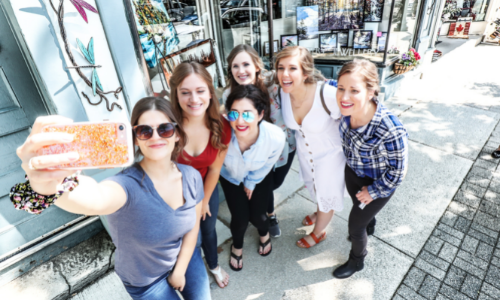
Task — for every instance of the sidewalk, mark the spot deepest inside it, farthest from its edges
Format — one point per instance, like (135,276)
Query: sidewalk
(436,239)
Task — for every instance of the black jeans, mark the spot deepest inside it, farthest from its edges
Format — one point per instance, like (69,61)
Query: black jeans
(360,218)
(244,210)
(279,175)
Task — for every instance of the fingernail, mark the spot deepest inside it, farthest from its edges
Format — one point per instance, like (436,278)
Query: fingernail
(73,156)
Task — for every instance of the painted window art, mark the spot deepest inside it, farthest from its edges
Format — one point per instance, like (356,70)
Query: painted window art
(156,32)
(362,39)
(200,52)
(289,40)
(373,10)
(339,14)
(307,22)
(328,42)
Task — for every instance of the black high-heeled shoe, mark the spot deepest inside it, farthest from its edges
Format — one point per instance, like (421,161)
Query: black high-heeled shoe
(349,268)
(496,153)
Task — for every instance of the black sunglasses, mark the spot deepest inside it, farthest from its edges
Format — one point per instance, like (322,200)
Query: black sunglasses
(145,132)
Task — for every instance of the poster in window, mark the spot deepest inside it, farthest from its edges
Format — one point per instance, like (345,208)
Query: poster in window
(342,38)
(156,32)
(328,42)
(339,14)
(381,40)
(374,10)
(307,22)
(289,40)
(362,39)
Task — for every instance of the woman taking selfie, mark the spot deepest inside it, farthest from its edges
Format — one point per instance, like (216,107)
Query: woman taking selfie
(208,134)
(246,67)
(246,176)
(316,126)
(376,147)
(155,196)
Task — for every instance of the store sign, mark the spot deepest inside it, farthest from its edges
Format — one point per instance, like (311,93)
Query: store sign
(348,52)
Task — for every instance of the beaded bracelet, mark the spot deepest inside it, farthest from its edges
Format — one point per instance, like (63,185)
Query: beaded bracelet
(25,198)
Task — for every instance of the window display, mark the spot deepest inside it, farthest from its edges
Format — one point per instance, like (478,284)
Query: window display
(328,42)
(476,9)
(289,40)
(307,22)
(362,39)
(373,10)
(342,38)
(381,41)
(342,14)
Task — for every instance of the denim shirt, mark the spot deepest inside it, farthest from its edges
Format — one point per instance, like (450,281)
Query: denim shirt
(277,119)
(253,165)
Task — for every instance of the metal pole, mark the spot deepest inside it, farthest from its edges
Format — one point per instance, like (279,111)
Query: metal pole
(270,33)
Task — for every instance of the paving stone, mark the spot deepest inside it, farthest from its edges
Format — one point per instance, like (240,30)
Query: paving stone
(451,231)
(446,237)
(495,261)
(468,267)
(462,224)
(408,293)
(441,297)
(481,236)
(494,139)
(108,287)
(470,244)
(448,252)
(473,259)
(471,286)
(462,210)
(490,290)
(452,293)
(495,186)
(467,198)
(428,268)
(493,276)
(398,297)
(486,155)
(497,252)
(482,182)
(485,297)
(414,278)
(484,251)
(449,218)
(487,221)
(485,164)
(490,208)
(473,189)
(494,175)
(455,277)
(480,172)
(430,287)
(492,196)
(433,245)
(482,229)
(434,260)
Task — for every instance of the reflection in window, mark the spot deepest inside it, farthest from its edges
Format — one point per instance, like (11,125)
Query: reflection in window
(476,9)
(404,21)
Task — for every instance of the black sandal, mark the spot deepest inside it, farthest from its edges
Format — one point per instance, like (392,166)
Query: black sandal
(238,259)
(264,245)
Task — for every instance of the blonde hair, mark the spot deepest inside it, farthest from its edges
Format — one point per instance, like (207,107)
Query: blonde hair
(306,63)
(366,69)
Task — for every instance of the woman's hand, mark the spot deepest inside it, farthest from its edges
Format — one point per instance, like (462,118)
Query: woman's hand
(177,281)
(205,210)
(249,193)
(42,180)
(363,196)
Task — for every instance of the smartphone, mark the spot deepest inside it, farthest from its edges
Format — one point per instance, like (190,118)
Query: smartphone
(101,145)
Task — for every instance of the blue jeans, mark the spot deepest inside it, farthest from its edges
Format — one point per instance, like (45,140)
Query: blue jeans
(208,236)
(196,288)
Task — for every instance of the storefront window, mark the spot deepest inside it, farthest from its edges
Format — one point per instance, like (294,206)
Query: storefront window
(476,9)
(404,22)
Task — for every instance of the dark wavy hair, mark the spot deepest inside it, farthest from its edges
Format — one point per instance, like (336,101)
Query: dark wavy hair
(251,92)
(213,118)
(164,106)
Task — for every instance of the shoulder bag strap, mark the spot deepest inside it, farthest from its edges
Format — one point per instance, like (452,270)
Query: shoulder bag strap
(323,98)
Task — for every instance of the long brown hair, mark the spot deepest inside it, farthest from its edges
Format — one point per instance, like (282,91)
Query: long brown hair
(161,105)
(306,63)
(213,119)
(366,69)
(259,82)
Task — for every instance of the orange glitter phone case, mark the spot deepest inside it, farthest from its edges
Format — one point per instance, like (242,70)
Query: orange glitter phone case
(100,144)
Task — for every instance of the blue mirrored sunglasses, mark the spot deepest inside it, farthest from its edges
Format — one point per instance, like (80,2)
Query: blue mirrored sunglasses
(248,116)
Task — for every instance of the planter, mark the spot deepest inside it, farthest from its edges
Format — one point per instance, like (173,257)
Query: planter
(401,69)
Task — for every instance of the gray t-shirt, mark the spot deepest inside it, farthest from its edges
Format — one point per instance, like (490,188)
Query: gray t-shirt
(146,231)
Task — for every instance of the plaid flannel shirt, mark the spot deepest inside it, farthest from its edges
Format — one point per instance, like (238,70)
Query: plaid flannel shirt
(380,151)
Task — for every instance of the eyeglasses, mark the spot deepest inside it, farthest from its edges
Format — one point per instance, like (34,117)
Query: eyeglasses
(145,132)
(248,116)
